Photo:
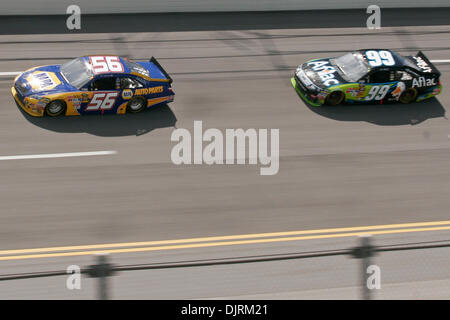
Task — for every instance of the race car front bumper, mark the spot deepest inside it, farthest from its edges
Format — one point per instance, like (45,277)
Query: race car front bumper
(29,108)
(304,93)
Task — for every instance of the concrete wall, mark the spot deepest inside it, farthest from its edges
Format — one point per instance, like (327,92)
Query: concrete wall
(26,7)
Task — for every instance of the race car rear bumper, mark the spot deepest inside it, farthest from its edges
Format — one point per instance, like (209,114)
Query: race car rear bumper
(432,92)
(27,108)
(307,96)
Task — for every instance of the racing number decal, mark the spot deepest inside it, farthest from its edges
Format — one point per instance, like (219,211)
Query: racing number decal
(378,58)
(105,64)
(103,101)
(377,92)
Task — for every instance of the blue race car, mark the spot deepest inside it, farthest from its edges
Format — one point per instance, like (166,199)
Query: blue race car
(93,85)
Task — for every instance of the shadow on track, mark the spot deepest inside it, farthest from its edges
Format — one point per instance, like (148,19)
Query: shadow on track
(384,115)
(109,125)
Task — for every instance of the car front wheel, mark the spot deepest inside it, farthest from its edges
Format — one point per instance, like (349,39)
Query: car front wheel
(55,108)
(334,98)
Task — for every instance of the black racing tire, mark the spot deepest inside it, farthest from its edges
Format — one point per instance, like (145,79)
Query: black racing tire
(408,96)
(136,105)
(55,108)
(334,98)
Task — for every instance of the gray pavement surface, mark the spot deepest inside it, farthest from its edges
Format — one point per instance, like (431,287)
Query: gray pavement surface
(343,167)
(31,7)
(146,21)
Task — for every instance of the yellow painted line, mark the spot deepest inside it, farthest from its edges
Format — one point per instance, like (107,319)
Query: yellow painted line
(224,243)
(222,238)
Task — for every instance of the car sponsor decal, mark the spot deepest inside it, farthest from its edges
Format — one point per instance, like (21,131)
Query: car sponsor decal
(42,80)
(42,102)
(357,92)
(423,82)
(127,94)
(85,97)
(398,90)
(75,100)
(325,71)
(422,64)
(145,91)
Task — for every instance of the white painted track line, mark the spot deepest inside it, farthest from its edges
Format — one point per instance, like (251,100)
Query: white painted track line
(58,155)
(11,73)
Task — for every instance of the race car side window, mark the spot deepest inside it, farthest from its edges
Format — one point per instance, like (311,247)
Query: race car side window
(401,75)
(380,76)
(129,83)
(106,83)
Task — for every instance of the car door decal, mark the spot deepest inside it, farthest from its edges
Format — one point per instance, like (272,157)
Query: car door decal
(102,101)
(377,92)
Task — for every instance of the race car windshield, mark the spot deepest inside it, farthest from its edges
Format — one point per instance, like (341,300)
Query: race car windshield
(76,72)
(352,66)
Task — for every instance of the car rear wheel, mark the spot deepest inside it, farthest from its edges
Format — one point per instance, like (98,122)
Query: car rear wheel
(136,105)
(334,98)
(55,108)
(408,96)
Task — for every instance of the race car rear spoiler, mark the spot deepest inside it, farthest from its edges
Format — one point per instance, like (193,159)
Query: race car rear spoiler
(428,63)
(155,62)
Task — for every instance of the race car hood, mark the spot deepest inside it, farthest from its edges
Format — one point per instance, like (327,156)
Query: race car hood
(321,73)
(41,81)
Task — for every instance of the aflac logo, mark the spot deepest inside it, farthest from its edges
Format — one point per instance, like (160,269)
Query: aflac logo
(422,64)
(325,72)
(422,82)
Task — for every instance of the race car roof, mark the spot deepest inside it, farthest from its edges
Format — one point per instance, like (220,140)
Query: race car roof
(110,64)
(106,64)
(398,59)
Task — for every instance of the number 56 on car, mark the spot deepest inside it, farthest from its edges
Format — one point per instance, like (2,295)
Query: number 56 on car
(93,85)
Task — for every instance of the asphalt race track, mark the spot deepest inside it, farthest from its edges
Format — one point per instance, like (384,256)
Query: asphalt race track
(339,167)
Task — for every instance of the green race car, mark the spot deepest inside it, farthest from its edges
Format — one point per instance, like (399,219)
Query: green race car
(367,76)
